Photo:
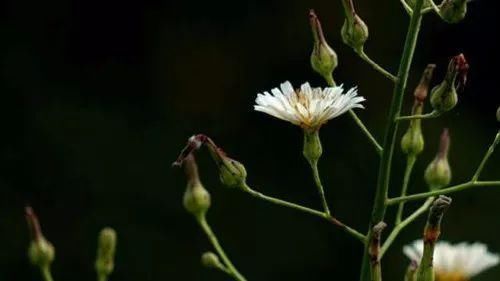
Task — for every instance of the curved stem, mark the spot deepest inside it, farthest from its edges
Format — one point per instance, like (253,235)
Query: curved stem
(376,66)
(215,243)
(397,229)
(383,180)
(319,185)
(365,130)
(486,157)
(430,115)
(410,163)
(46,274)
(407,7)
(354,233)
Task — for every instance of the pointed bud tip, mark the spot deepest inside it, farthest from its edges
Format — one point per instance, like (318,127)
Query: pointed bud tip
(422,89)
(33,223)
(444,143)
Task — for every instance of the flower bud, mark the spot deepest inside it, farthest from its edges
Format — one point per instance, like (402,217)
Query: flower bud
(354,31)
(444,96)
(323,57)
(438,173)
(498,114)
(211,260)
(312,149)
(412,142)
(41,252)
(106,247)
(453,11)
(231,172)
(196,197)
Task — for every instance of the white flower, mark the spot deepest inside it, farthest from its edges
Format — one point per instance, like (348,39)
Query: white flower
(307,107)
(457,262)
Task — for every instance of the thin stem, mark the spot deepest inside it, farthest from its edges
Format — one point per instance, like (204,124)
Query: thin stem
(354,233)
(383,180)
(407,7)
(430,115)
(376,66)
(410,163)
(486,157)
(360,124)
(448,190)
(215,243)
(319,185)
(102,277)
(365,130)
(46,274)
(397,229)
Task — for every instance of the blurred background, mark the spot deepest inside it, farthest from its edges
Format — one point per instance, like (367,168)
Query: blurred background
(98,98)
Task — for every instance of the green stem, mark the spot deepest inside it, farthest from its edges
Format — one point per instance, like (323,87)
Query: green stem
(407,7)
(375,65)
(354,233)
(365,130)
(397,229)
(319,185)
(102,277)
(430,115)
(451,189)
(410,163)
(486,157)
(379,207)
(215,243)
(46,274)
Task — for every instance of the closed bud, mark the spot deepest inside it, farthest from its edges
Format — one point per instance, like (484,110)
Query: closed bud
(438,173)
(498,114)
(355,33)
(323,57)
(231,172)
(196,198)
(106,247)
(444,96)
(453,11)
(41,252)
(211,260)
(312,146)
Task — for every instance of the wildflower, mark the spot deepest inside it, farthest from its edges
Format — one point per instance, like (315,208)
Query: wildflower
(307,107)
(458,262)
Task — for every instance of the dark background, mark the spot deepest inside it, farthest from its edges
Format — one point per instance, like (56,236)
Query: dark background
(98,97)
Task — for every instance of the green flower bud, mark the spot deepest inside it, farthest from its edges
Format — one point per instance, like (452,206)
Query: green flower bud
(444,96)
(323,57)
(196,197)
(211,260)
(40,252)
(312,149)
(438,173)
(106,247)
(354,32)
(498,114)
(453,11)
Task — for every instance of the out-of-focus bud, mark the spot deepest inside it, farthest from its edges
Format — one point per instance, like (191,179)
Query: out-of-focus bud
(41,252)
(354,31)
(438,173)
(312,149)
(453,11)
(211,260)
(412,142)
(444,96)
(106,247)
(498,114)
(196,197)
(432,231)
(323,58)
(231,172)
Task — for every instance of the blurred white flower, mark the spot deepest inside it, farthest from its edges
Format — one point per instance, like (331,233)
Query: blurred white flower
(307,107)
(457,262)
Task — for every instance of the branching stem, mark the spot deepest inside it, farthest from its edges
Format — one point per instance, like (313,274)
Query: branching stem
(433,114)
